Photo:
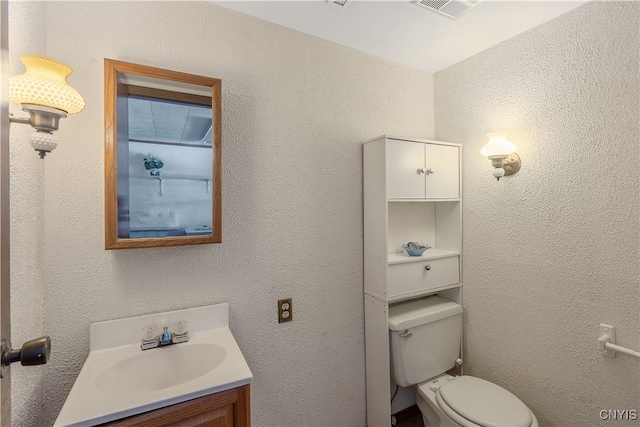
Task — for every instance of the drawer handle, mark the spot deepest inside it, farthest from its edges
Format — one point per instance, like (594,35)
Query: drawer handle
(427,267)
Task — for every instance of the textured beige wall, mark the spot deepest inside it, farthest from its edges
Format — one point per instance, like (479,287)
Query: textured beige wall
(26,35)
(552,252)
(295,111)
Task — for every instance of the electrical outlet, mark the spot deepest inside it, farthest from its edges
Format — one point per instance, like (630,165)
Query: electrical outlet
(285,310)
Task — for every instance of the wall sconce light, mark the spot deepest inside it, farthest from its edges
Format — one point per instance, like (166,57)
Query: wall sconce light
(43,92)
(502,154)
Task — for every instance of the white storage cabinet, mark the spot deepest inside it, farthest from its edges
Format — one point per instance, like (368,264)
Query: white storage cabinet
(411,193)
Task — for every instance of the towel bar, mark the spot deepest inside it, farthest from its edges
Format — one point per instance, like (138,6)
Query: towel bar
(607,343)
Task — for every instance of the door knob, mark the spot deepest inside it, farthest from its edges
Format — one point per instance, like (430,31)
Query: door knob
(34,352)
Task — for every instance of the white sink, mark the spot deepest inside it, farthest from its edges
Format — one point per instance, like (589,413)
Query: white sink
(118,379)
(160,368)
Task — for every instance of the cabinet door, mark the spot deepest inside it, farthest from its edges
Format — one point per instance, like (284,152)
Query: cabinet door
(405,163)
(443,172)
(224,409)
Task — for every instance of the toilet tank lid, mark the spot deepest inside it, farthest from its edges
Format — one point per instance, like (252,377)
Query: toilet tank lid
(419,312)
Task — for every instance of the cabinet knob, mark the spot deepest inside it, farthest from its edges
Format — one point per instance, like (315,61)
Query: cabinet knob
(427,267)
(405,334)
(422,170)
(429,171)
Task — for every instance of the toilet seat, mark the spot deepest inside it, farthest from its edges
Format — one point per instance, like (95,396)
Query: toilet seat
(474,402)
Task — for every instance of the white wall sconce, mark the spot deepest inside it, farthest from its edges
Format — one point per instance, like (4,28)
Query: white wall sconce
(502,154)
(43,92)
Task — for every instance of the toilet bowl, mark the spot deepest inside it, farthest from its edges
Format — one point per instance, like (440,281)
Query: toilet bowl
(425,342)
(467,401)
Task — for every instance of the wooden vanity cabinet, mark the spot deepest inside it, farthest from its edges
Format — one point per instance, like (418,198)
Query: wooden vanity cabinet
(229,408)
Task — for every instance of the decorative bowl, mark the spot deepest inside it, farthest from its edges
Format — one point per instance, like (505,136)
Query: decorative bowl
(415,248)
(153,164)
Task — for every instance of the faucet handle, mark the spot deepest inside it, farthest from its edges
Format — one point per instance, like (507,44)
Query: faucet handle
(180,334)
(149,339)
(148,333)
(180,327)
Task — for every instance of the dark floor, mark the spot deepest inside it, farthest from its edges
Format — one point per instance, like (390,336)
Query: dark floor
(415,421)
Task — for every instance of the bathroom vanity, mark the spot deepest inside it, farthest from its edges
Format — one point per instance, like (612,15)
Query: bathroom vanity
(194,375)
(412,192)
(229,408)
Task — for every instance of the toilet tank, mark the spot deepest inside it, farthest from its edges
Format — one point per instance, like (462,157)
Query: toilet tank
(425,338)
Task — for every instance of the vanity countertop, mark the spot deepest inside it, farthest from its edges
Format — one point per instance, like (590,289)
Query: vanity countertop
(119,380)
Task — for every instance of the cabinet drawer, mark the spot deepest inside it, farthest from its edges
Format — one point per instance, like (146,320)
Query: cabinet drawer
(413,277)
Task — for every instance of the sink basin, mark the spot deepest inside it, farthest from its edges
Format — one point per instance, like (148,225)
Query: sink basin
(119,380)
(160,368)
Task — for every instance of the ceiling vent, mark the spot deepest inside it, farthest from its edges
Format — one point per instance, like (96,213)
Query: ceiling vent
(340,4)
(453,9)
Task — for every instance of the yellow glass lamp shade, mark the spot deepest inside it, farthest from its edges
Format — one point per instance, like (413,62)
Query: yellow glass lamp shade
(45,83)
(498,145)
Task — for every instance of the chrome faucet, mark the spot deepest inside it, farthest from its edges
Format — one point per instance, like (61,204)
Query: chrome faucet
(165,338)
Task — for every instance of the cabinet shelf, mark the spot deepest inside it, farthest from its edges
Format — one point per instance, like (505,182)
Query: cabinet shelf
(432,253)
(161,179)
(423,293)
(421,200)
(189,177)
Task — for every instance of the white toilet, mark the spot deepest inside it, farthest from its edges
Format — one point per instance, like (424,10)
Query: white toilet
(425,343)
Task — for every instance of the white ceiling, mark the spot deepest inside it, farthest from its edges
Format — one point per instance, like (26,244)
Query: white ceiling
(404,32)
(160,121)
